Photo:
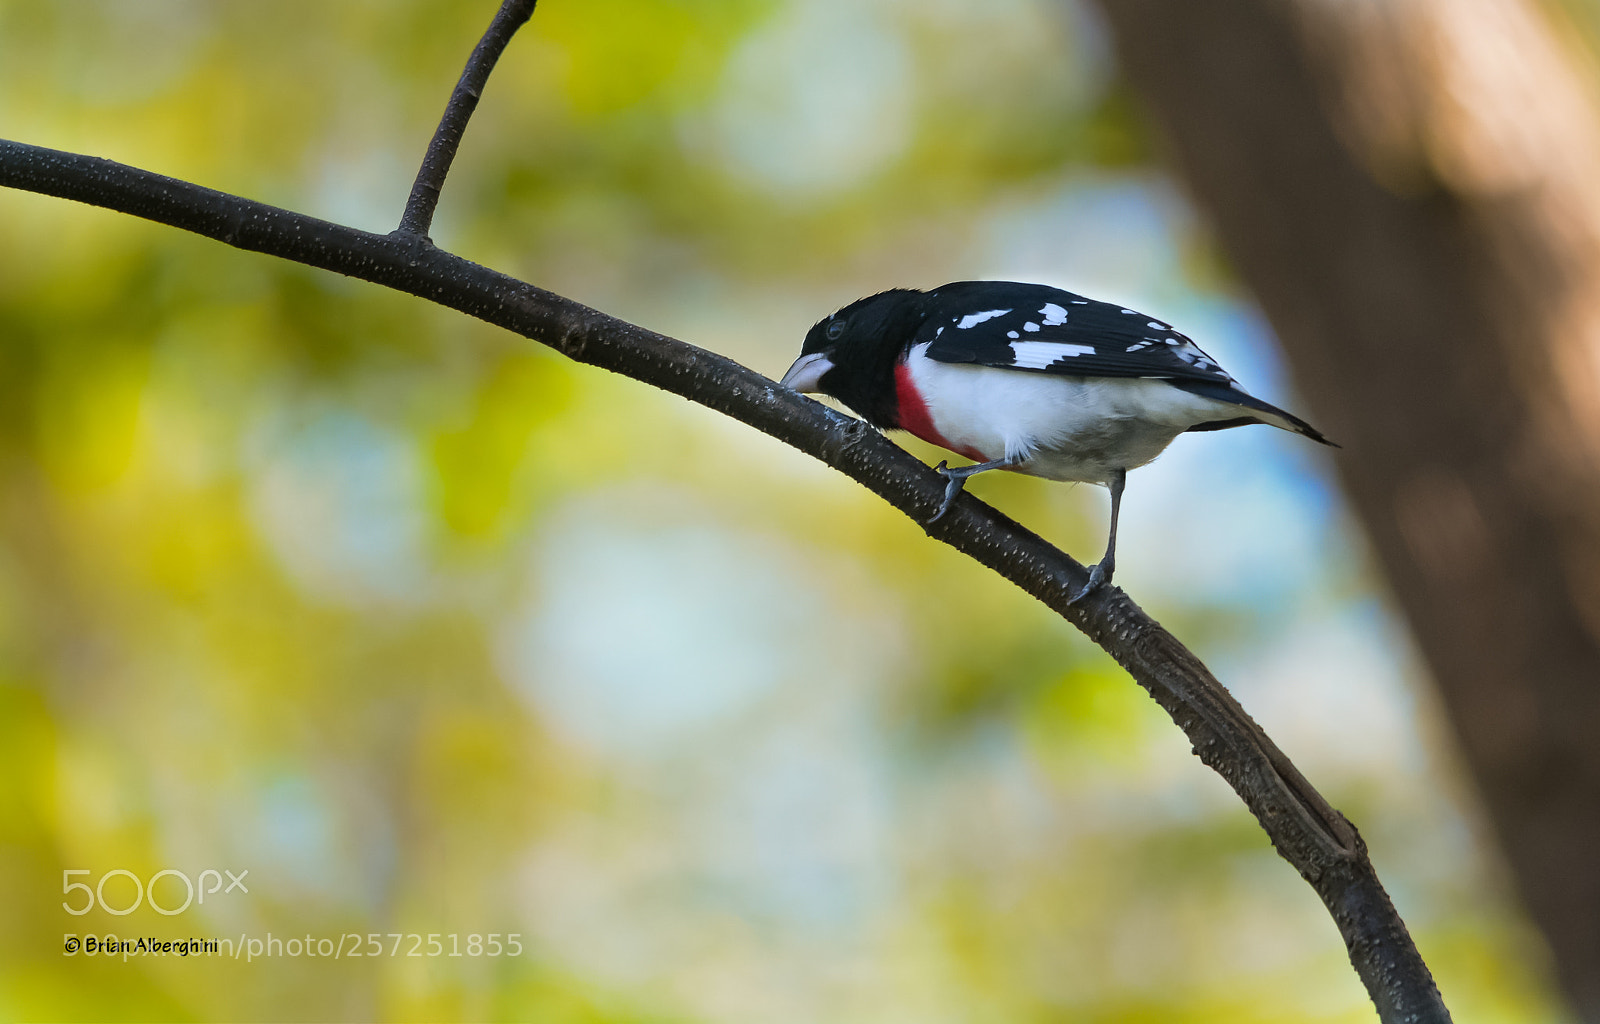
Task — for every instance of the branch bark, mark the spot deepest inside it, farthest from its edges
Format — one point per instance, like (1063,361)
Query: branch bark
(1321,844)
(418,215)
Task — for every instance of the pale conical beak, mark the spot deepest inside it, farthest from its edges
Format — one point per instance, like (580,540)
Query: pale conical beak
(806,373)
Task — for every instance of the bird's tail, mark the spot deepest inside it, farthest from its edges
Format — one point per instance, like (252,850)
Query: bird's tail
(1259,411)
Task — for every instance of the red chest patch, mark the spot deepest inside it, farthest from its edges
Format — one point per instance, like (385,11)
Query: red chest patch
(914,416)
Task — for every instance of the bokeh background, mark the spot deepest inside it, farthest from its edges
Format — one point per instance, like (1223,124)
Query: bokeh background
(434,632)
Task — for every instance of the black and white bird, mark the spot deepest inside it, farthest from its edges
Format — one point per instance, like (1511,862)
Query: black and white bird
(1027,378)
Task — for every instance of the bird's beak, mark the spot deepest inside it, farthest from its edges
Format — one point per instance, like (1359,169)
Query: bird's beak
(806,373)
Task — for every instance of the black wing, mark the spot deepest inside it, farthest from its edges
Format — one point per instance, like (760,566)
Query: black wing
(1040,329)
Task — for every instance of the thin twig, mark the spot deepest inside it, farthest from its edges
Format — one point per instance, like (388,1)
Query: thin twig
(418,216)
(1322,845)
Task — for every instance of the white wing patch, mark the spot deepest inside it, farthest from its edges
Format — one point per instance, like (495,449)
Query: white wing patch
(972,320)
(1054,315)
(1030,326)
(1036,355)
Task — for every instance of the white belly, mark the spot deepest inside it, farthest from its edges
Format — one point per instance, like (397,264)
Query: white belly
(1066,428)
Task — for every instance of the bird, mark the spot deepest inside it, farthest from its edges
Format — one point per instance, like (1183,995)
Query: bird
(1027,378)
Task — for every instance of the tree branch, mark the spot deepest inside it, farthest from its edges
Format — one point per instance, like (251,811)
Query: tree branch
(418,216)
(1322,845)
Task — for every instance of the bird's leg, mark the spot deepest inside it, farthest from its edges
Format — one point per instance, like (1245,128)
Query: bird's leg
(1100,574)
(958,479)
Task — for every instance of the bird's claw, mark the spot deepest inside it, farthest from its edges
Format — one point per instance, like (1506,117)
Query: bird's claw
(951,488)
(1099,576)
(957,478)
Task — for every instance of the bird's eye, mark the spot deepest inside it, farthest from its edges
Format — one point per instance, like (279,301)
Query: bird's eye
(835,329)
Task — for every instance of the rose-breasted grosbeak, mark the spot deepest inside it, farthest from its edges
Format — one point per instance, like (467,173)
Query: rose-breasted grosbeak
(1027,378)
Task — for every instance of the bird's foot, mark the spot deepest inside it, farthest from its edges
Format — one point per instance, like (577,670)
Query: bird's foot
(955,480)
(1099,576)
(958,479)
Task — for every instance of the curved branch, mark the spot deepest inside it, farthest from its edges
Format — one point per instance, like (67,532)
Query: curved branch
(1322,845)
(418,216)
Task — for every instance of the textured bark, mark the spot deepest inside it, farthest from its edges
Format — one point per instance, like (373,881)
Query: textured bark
(1412,190)
(424,199)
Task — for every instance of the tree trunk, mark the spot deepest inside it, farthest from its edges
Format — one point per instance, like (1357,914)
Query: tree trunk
(1412,190)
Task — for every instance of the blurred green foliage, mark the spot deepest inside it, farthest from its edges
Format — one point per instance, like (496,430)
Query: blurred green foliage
(433,632)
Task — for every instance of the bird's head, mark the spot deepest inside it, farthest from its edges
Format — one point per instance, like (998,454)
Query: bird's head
(851,354)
